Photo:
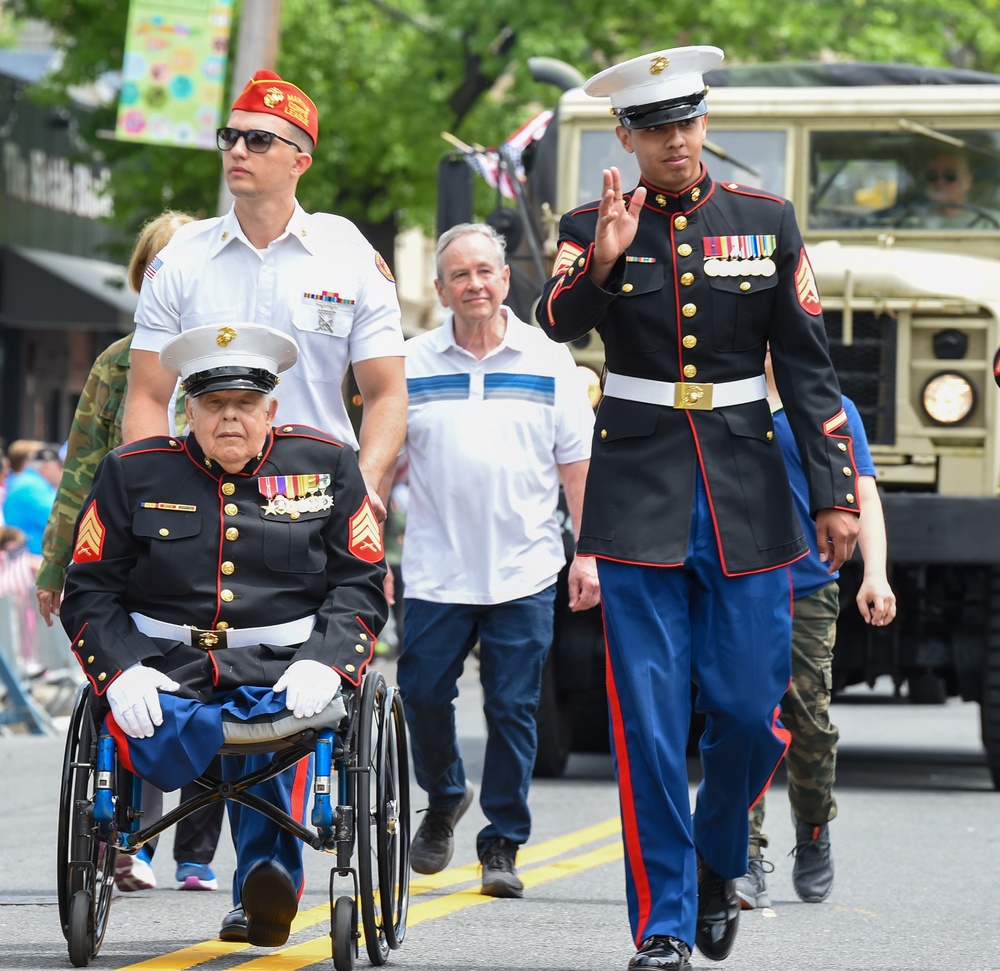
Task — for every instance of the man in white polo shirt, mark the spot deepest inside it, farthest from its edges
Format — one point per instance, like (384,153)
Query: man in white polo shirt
(497,414)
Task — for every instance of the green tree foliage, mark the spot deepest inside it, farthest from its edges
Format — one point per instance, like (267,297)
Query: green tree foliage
(388,76)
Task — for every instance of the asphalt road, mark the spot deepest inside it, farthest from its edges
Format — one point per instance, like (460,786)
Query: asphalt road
(917,847)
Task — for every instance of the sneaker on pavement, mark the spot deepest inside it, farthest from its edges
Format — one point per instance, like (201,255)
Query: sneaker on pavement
(812,872)
(434,843)
(752,887)
(134,873)
(499,876)
(195,876)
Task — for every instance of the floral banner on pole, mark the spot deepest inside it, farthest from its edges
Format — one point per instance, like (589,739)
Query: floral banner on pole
(174,72)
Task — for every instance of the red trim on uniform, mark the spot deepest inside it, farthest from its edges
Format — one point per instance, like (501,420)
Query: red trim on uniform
(618,559)
(215,669)
(630,825)
(305,431)
(122,749)
(355,679)
(562,285)
(739,189)
(133,448)
(832,424)
(650,189)
(297,804)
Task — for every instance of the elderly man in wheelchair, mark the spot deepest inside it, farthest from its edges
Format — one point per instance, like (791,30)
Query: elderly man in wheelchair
(224,595)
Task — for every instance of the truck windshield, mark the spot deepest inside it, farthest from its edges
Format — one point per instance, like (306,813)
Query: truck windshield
(913,179)
(752,157)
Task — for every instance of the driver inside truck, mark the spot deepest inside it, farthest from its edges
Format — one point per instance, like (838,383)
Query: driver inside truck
(950,202)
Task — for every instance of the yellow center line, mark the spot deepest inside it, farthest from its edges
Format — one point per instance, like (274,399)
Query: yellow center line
(310,952)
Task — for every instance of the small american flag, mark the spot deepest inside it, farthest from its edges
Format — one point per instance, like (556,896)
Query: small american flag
(17,572)
(153,267)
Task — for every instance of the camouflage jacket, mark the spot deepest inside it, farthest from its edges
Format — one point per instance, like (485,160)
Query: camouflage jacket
(97,428)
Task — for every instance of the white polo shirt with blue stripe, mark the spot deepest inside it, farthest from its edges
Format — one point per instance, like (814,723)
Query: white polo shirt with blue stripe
(484,439)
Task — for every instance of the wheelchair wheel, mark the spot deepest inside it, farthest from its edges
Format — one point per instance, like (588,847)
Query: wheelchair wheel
(370,730)
(85,865)
(392,817)
(344,933)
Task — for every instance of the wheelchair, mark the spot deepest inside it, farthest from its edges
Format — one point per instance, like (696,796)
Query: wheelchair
(364,755)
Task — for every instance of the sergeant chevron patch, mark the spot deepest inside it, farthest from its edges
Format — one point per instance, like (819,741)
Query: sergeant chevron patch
(90,537)
(366,536)
(805,287)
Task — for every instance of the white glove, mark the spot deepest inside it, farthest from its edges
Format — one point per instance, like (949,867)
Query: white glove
(135,700)
(309,687)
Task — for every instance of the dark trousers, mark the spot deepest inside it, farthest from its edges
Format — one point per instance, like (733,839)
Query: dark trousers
(514,640)
(197,836)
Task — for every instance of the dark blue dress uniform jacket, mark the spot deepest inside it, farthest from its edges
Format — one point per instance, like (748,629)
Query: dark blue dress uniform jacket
(168,533)
(660,313)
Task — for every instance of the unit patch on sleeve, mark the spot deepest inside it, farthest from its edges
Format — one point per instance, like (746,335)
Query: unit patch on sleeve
(366,536)
(90,537)
(383,268)
(805,286)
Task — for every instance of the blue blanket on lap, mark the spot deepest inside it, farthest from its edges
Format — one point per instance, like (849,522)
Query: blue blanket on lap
(184,745)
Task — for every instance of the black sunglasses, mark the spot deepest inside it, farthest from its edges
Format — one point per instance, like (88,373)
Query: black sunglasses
(256,139)
(948,175)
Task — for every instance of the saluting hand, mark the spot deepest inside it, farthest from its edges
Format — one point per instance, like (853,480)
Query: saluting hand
(617,223)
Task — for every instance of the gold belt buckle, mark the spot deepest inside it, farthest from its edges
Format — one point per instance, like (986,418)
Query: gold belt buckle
(208,640)
(693,397)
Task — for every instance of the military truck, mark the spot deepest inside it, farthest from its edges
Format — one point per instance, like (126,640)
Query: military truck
(911,296)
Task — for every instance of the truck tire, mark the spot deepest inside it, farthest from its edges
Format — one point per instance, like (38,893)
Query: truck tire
(990,702)
(554,725)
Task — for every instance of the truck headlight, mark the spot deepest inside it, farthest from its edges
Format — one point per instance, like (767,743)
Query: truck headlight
(948,398)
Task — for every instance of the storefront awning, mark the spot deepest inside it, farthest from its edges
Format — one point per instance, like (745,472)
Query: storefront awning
(43,289)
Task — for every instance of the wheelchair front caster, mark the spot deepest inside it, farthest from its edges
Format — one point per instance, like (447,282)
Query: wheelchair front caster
(79,935)
(344,933)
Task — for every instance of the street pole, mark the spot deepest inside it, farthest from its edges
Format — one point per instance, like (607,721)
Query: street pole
(256,48)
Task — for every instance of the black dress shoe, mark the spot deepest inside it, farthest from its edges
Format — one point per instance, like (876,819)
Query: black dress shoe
(234,927)
(666,953)
(270,901)
(718,914)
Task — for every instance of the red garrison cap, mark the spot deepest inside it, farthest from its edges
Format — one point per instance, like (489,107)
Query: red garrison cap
(266,92)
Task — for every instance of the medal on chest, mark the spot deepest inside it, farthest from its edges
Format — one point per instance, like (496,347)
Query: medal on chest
(292,495)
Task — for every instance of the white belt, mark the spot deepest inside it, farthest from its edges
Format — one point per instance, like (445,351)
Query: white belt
(283,635)
(689,395)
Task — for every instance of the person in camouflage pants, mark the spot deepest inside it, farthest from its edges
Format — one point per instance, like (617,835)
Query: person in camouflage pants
(96,429)
(805,708)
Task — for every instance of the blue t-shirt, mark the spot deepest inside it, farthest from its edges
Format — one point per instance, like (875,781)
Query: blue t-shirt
(27,506)
(808,573)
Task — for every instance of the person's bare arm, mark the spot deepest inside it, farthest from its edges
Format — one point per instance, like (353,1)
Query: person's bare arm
(875,599)
(149,391)
(584,586)
(382,383)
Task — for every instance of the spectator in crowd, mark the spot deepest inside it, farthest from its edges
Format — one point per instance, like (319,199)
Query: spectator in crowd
(30,496)
(497,416)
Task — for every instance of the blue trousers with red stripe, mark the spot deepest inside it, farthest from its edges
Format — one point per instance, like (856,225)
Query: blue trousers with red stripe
(666,628)
(255,837)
